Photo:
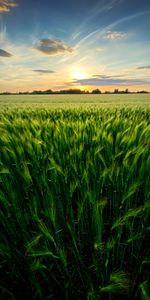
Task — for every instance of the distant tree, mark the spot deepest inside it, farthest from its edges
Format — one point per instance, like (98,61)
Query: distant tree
(126,91)
(142,92)
(116,91)
(6,93)
(48,92)
(23,93)
(96,91)
(72,91)
(37,92)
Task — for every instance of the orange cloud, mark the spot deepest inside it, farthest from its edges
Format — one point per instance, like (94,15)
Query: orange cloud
(6,5)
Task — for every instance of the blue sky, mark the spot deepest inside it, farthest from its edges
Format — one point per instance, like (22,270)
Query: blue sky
(74,44)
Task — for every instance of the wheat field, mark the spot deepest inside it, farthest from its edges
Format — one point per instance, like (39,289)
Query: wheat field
(75,198)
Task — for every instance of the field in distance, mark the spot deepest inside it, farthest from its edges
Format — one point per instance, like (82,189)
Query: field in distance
(75,101)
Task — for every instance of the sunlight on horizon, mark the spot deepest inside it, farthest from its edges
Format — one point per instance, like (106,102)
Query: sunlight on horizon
(79,74)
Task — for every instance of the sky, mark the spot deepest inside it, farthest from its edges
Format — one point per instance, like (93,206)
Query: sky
(65,44)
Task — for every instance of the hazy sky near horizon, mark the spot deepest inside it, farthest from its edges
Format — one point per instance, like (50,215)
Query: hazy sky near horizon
(85,44)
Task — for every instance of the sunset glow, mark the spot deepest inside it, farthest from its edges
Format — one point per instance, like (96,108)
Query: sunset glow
(59,45)
(77,74)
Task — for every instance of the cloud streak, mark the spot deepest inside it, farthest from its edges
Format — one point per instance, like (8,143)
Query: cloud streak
(93,36)
(53,47)
(100,8)
(107,76)
(4,53)
(143,68)
(43,71)
(6,5)
(109,82)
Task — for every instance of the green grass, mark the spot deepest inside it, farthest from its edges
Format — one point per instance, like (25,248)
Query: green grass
(75,203)
(74,101)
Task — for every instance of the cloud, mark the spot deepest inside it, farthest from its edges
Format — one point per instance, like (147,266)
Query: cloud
(100,8)
(94,81)
(143,67)
(107,76)
(6,5)
(4,53)
(44,71)
(93,36)
(53,47)
(114,35)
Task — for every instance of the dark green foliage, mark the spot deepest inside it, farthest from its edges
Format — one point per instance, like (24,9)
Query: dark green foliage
(75,204)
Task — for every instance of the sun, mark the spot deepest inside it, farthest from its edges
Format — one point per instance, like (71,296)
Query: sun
(78,74)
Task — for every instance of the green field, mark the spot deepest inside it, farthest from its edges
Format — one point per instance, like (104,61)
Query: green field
(75,197)
(74,101)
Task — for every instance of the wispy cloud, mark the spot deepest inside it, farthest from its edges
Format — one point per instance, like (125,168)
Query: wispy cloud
(4,53)
(53,47)
(109,82)
(44,71)
(3,34)
(107,76)
(114,35)
(100,8)
(93,36)
(143,67)
(6,5)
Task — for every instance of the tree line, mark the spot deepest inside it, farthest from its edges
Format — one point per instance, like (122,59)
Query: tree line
(73,91)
